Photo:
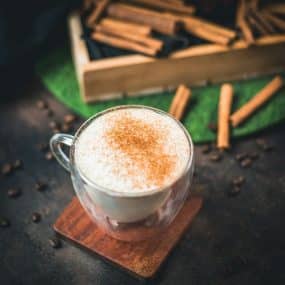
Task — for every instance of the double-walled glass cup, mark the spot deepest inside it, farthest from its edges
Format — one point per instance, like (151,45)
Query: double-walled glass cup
(128,216)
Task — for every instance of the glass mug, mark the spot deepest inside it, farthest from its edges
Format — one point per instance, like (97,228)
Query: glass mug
(128,216)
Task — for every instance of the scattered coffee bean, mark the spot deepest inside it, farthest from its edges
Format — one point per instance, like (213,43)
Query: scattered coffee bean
(4,223)
(241,156)
(213,127)
(40,186)
(215,157)
(53,125)
(254,155)
(206,148)
(66,127)
(7,169)
(41,104)
(48,156)
(55,242)
(69,119)
(14,193)
(247,162)
(234,191)
(18,164)
(43,146)
(36,217)
(238,181)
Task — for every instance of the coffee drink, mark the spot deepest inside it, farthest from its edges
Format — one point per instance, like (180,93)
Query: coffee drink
(132,150)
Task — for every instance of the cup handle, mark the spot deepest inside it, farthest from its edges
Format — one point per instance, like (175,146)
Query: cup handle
(55,145)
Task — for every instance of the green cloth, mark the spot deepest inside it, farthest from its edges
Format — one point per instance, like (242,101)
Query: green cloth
(57,73)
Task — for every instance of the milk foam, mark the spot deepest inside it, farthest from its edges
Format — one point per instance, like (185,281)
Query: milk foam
(113,168)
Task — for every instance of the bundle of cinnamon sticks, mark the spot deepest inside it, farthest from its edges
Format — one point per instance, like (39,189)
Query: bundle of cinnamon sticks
(129,24)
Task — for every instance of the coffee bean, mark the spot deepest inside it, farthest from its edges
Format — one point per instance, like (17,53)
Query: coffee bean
(41,104)
(43,146)
(7,169)
(213,127)
(36,217)
(69,119)
(247,162)
(53,125)
(215,157)
(206,148)
(48,156)
(238,181)
(40,186)
(14,193)
(55,242)
(234,191)
(241,156)
(17,164)
(4,223)
(66,127)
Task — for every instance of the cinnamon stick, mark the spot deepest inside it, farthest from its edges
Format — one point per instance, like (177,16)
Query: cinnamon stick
(126,26)
(168,6)
(180,101)
(96,14)
(205,30)
(225,104)
(256,102)
(155,20)
(276,21)
(257,25)
(122,43)
(263,21)
(242,23)
(215,28)
(146,41)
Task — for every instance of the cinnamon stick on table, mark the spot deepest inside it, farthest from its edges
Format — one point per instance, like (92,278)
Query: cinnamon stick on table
(144,40)
(224,111)
(180,101)
(97,12)
(122,43)
(256,102)
(126,26)
(155,20)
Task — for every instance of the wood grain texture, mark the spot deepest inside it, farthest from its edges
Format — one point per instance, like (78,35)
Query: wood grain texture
(141,258)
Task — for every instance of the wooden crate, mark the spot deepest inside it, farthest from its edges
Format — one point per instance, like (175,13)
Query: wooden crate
(133,75)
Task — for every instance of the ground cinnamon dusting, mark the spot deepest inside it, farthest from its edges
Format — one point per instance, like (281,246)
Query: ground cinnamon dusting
(142,144)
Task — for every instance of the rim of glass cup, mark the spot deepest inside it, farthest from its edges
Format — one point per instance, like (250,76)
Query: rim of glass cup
(110,191)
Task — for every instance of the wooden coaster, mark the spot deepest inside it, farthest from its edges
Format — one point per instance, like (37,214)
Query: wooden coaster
(141,258)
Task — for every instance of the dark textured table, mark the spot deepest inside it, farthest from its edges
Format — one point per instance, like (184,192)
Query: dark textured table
(233,240)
